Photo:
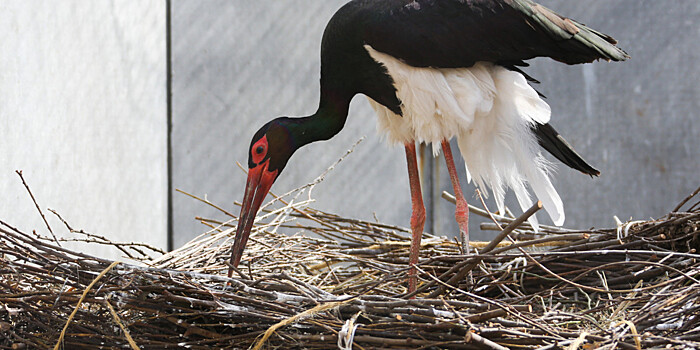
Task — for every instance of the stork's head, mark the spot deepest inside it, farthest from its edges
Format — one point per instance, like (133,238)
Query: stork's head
(269,151)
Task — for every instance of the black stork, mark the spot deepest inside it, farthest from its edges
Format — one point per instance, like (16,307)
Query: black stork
(435,70)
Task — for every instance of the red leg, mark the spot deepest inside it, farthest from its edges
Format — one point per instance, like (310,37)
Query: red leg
(418,212)
(462,212)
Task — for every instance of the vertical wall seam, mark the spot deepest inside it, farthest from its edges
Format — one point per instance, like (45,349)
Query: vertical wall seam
(169,122)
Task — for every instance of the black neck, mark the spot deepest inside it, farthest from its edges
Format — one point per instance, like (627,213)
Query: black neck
(328,120)
(286,135)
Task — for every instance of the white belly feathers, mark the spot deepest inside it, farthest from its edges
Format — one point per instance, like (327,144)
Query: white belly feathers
(489,109)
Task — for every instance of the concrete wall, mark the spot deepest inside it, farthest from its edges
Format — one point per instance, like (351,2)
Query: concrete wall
(83,114)
(238,64)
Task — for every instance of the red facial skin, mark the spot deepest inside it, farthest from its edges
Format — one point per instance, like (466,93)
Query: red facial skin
(257,186)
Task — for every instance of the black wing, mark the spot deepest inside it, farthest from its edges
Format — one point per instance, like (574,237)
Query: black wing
(459,33)
(555,144)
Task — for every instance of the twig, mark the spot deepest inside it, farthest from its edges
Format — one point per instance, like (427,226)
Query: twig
(288,321)
(472,337)
(686,200)
(82,297)
(207,202)
(512,226)
(330,168)
(19,172)
(125,330)
(478,211)
(462,272)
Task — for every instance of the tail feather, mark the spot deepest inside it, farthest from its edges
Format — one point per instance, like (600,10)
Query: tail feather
(505,153)
(544,190)
(555,144)
(525,203)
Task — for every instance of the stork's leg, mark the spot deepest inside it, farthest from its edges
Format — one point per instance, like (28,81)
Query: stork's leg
(462,211)
(418,212)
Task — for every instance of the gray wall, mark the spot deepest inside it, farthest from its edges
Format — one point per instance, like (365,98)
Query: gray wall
(83,114)
(238,64)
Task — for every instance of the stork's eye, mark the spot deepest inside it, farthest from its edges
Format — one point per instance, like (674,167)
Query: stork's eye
(259,150)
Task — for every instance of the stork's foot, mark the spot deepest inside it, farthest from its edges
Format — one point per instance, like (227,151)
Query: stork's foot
(462,211)
(418,213)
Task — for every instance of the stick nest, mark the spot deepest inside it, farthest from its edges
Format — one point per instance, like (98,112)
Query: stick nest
(340,283)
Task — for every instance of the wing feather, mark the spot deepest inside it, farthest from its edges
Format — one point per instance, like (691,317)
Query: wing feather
(459,33)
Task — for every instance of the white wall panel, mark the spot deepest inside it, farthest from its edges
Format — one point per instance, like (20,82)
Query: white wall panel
(83,114)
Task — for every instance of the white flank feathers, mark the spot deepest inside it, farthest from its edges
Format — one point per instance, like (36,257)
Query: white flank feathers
(490,110)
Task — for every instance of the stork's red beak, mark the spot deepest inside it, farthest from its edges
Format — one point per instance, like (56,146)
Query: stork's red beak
(258,185)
